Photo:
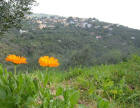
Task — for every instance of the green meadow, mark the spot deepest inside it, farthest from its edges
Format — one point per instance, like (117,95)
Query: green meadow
(104,86)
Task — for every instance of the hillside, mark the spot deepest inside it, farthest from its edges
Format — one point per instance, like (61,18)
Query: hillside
(74,41)
(105,86)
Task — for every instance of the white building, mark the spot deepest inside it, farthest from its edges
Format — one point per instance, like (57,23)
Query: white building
(98,37)
(133,38)
(23,31)
(41,26)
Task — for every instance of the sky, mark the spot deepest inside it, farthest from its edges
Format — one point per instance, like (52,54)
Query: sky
(124,12)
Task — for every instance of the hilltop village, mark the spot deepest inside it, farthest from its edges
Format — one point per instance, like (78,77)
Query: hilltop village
(51,22)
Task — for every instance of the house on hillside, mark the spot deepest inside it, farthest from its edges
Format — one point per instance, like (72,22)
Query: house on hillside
(51,27)
(89,25)
(98,37)
(39,22)
(106,27)
(118,25)
(132,37)
(110,29)
(23,31)
(41,26)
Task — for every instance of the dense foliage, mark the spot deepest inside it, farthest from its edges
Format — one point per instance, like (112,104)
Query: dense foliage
(12,12)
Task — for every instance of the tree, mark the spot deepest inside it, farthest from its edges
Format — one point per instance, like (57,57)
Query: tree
(12,12)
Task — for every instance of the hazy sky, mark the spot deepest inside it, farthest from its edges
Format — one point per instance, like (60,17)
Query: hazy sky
(124,12)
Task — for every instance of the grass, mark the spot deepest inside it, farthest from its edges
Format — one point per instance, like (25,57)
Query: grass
(105,86)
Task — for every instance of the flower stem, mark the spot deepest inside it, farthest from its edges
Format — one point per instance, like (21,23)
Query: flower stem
(47,72)
(15,69)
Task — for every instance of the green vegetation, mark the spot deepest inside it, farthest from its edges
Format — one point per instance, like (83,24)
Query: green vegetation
(105,86)
(13,12)
(72,45)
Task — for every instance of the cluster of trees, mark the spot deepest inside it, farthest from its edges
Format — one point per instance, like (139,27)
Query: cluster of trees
(13,12)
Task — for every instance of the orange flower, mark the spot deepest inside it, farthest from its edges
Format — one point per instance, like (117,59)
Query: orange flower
(48,61)
(16,59)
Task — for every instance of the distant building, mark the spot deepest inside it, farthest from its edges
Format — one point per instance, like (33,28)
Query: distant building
(23,31)
(89,25)
(41,26)
(85,24)
(110,29)
(83,19)
(98,37)
(72,22)
(106,27)
(51,26)
(93,20)
(132,37)
(39,22)
(117,25)
(66,24)
(59,41)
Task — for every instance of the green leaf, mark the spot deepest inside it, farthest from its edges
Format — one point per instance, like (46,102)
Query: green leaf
(82,106)
(74,97)
(59,91)
(2,93)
